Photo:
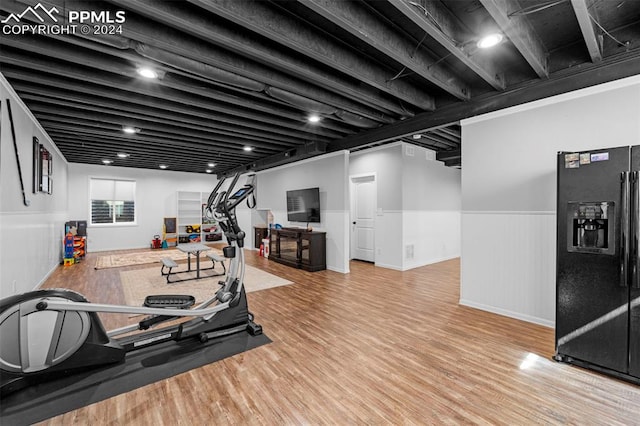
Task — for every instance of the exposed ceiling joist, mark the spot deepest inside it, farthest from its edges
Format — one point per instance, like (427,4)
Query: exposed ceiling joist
(101,95)
(252,47)
(521,34)
(612,69)
(357,20)
(149,127)
(449,155)
(135,115)
(591,38)
(259,16)
(438,22)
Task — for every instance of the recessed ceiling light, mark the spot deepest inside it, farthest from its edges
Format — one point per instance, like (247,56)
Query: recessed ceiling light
(489,40)
(248,148)
(123,155)
(147,72)
(211,164)
(417,136)
(313,118)
(130,129)
(208,170)
(163,166)
(105,161)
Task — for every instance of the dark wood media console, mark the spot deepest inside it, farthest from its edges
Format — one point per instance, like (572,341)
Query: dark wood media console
(299,248)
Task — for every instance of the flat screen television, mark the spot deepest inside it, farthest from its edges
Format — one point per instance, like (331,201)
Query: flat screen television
(303,205)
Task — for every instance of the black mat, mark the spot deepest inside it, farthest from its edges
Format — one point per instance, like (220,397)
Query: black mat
(140,368)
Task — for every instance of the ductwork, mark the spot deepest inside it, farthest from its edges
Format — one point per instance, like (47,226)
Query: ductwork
(300,101)
(356,120)
(309,149)
(198,68)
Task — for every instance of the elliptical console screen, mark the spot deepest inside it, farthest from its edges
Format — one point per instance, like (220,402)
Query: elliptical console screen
(239,193)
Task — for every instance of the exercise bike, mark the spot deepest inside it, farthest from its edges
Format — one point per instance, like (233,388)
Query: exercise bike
(48,333)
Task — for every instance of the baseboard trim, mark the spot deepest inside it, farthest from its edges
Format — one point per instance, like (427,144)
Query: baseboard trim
(508,313)
(46,277)
(417,265)
(384,265)
(430,262)
(342,271)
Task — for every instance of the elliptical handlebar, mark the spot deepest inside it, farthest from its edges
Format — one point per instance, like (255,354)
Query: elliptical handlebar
(214,194)
(225,202)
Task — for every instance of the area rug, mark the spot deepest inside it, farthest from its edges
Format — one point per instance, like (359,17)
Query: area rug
(141,258)
(139,283)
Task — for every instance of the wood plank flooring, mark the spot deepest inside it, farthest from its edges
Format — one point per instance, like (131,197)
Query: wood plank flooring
(375,346)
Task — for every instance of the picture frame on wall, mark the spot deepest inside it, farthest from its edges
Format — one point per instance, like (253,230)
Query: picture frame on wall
(42,168)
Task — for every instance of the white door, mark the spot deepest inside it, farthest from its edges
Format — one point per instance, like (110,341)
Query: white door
(363,208)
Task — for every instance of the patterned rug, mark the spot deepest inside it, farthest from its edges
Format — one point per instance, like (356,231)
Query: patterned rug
(141,258)
(139,283)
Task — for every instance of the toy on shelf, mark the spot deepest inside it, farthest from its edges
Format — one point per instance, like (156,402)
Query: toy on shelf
(75,241)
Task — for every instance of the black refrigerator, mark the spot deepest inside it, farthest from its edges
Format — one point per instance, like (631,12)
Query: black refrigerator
(598,264)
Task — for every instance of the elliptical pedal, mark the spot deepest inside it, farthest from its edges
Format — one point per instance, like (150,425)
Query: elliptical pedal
(179,301)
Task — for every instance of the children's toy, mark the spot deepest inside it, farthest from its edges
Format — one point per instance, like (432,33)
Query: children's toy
(156,243)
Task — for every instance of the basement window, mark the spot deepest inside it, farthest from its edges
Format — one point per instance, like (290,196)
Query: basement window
(113,201)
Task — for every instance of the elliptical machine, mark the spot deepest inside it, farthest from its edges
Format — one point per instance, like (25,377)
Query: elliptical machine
(53,332)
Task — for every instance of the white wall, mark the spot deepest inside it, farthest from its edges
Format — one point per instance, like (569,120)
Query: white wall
(386,163)
(30,236)
(155,199)
(329,173)
(509,191)
(418,219)
(431,203)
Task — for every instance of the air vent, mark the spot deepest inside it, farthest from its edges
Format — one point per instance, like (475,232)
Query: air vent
(409,151)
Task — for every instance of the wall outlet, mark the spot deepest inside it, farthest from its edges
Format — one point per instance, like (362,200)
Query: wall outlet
(408,251)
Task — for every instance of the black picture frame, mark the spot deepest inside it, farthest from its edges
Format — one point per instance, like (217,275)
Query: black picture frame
(42,168)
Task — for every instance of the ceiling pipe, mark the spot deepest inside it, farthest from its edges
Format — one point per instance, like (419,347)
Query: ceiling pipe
(308,150)
(101,95)
(253,58)
(168,41)
(300,101)
(356,120)
(196,67)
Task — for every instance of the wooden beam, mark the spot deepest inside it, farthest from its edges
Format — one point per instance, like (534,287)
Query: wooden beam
(260,17)
(44,96)
(446,135)
(361,23)
(591,38)
(109,120)
(50,122)
(449,155)
(444,28)
(521,34)
(440,140)
(173,90)
(90,94)
(579,77)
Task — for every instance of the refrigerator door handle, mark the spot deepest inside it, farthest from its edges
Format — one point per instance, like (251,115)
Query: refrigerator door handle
(624,230)
(635,205)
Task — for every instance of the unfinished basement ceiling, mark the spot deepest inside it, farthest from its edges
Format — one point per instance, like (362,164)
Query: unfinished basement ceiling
(237,73)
